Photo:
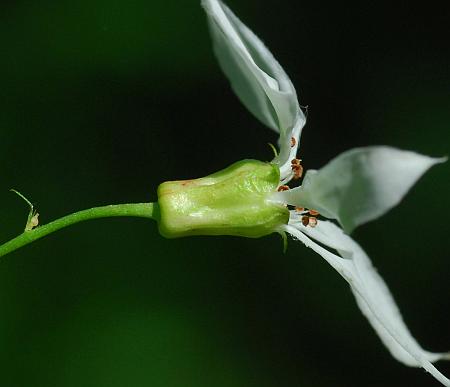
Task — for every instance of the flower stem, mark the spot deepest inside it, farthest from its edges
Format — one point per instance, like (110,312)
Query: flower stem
(143,210)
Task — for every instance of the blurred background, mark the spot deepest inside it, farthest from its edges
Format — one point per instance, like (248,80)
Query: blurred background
(101,101)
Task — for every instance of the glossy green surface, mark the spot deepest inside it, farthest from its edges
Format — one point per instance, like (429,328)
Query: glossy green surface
(233,201)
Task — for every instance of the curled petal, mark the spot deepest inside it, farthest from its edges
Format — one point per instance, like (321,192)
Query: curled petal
(371,293)
(255,75)
(361,184)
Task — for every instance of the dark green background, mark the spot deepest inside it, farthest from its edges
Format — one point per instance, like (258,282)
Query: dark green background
(100,101)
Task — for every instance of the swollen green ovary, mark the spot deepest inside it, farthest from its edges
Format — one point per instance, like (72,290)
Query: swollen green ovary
(230,202)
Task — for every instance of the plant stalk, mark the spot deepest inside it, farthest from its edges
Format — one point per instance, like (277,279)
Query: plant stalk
(143,210)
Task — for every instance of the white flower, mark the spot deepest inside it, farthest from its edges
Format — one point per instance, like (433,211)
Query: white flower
(358,186)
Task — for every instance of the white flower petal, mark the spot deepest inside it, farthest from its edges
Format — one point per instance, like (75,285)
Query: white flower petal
(361,184)
(255,75)
(371,293)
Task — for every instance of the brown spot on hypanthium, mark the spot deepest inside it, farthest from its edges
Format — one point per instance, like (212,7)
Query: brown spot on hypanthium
(282,188)
(305,220)
(313,212)
(299,209)
(293,142)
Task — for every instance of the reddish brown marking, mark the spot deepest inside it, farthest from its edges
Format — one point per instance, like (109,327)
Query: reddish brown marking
(313,212)
(298,171)
(293,142)
(297,168)
(282,188)
(299,209)
(305,220)
(312,221)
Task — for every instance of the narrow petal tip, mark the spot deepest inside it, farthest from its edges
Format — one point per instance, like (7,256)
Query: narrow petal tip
(441,160)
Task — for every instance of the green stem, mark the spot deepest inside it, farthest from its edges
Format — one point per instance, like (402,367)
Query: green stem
(143,210)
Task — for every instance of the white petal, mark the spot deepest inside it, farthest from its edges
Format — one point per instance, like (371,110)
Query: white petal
(361,184)
(255,75)
(371,293)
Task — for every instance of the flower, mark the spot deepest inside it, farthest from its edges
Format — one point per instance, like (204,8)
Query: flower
(250,198)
